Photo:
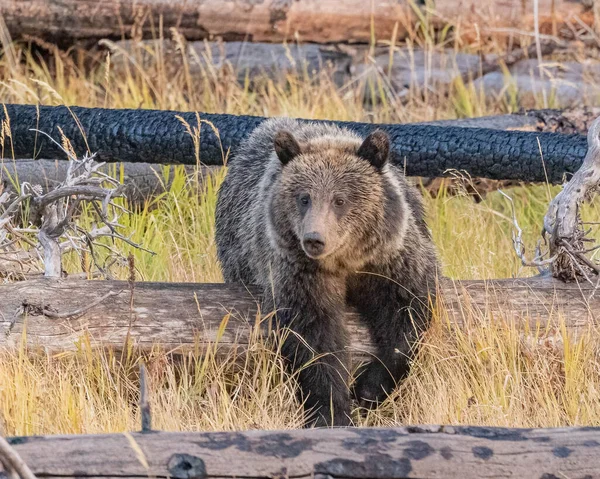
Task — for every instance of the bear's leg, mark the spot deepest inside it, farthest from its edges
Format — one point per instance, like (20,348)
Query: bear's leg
(395,318)
(315,345)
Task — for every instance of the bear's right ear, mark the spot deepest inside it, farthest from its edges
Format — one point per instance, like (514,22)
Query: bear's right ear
(286,146)
(375,149)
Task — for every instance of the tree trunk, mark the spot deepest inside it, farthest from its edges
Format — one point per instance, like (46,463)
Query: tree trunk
(152,136)
(425,452)
(57,313)
(66,21)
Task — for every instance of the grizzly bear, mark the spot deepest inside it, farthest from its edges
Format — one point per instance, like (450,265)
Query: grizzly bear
(320,220)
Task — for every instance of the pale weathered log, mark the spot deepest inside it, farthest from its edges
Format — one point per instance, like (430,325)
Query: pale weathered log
(254,63)
(424,452)
(65,21)
(57,313)
(142,180)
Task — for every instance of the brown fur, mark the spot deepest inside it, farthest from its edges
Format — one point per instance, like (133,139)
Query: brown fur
(320,220)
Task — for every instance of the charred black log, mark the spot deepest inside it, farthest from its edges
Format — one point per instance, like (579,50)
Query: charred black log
(153,136)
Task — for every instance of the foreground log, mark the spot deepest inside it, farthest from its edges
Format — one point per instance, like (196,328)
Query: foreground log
(65,21)
(153,136)
(56,314)
(393,453)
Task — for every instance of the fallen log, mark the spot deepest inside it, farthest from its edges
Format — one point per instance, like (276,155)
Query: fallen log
(569,121)
(153,136)
(255,63)
(67,21)
(144,180)
(375,453)
(56,314)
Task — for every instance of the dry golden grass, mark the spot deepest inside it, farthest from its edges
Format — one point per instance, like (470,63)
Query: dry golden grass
(485,373)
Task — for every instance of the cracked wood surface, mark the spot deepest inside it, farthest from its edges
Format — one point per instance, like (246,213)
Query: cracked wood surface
(185,316)
(404,452)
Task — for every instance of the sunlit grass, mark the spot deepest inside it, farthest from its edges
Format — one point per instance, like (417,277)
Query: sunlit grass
(488,371)
(483,373)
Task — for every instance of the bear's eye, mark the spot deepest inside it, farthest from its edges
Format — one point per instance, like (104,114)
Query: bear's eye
(339,202)
(304,200)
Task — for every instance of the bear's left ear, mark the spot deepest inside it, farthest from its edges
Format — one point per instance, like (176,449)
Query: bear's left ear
(286,146)
(375,149)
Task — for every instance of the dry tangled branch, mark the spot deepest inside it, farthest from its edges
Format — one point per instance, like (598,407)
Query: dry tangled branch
(563,229)
(52,229)
(563,221)
(538,260)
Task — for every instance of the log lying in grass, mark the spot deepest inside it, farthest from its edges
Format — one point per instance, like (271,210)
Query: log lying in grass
(425,452)
(56,314)
(153,136)
(65,21)
(145,180)
(255,63)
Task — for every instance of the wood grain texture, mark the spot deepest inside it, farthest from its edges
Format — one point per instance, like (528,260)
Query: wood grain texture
(182,316)
(405,452)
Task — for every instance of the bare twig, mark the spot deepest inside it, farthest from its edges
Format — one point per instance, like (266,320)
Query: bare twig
(57,208)
(12,461)
(84,190)
(113,225)
(144,403)
(538,261)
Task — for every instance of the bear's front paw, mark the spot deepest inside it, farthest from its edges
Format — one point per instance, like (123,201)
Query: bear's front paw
(373,384)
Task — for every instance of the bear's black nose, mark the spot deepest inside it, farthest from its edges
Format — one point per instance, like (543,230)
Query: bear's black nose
(313,243)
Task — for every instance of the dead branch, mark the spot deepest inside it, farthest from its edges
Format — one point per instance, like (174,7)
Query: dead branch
(56,209)
(538,261)
(13,462)
(562,222)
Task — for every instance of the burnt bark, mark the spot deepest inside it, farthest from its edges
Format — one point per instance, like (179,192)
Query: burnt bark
(143,180)
(154,136)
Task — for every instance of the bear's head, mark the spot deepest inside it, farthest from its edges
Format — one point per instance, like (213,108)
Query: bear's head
(331,193)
